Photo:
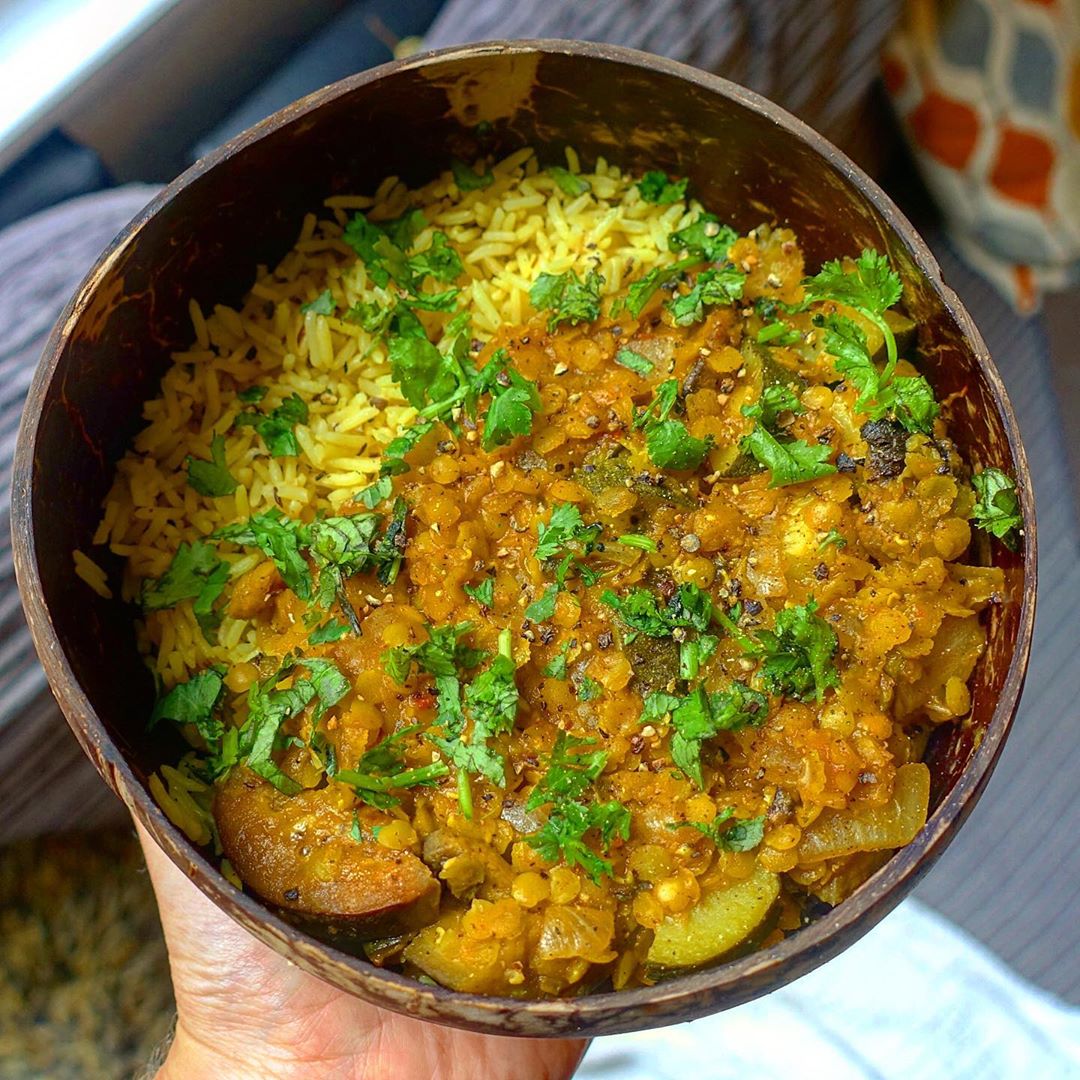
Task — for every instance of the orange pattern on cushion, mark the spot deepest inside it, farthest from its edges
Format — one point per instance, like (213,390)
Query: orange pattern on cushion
(946,128)
(1023,166)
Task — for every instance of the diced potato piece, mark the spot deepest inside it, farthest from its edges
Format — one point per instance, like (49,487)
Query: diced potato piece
(454,958)
(842,832)
(721,921)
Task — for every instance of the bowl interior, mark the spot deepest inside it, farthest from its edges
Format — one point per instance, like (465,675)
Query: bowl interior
(747,161)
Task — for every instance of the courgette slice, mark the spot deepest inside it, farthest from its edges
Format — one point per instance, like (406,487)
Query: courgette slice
(719,923)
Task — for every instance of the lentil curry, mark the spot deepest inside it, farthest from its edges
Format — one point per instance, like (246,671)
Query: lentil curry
(618,649)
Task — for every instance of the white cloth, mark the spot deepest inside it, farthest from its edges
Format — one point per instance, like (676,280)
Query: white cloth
(915,999)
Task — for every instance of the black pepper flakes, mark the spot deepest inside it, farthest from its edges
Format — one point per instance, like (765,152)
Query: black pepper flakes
(821,571)
(605,639)
(753,607)
(292,895)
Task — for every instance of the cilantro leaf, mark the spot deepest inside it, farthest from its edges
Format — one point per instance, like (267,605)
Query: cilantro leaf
(466,177)
(997,510)
(568,774)
(671,446)
(563,834)
(742,835)
(543,608)
(700,715)
(405,229)
(641,291)
(914,404)
(797,654)
(278,537)
(193,702)
(196,573)
(333,630)
(556,669)
(658,410)
(393,457)
(380,770)
(588,689)
(514,402)
(564,526)
(637,363)
(443,653)
(252,394)
(570,183)
(871,287)
(375,493)
(774,400)
(276,430)
(655,187)
(792,461)
(423,373)
(722,285)
(567,297)
(211,478)
(484,593)
(705,236)
(778,333)
(440,261)
(323,304)
(832,537)
(640,610)
(637,540)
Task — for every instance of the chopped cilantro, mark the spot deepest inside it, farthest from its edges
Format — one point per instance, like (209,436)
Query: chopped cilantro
(791,461)
(556,669)
(637,363)
(564,527)
(700,715)
(694,653)
(636,540)
(514,401)
(778,333)
(484,593)
(656,187)
(705,236)
(570,183)
(442,654)
(588,689)
(797,654)
(563,834)
(252,394)
(997,510)
(379,771)
(375,493)
(722,285)
(641,611)
(640,292)
(567,297)
(211,478)
(393,457)
(774,400)
(334,630)
(671,446)
(193,702)
(742,835)
(543,608)
(279,538)
(569,773)
(440,261)
(276,430)
(195,573)
(832,537)
(467,178)
(323,304)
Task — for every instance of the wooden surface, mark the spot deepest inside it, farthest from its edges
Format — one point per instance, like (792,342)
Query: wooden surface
(202,237)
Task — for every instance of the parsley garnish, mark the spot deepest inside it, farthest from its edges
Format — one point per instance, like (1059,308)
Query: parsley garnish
(323,304)
(722,285)
(196,573)
(211,478)
(774,400)
(567,297)
(565,534)
(543,608)
(637,363)
(442,654)
(701,715)
(743,835)
(588,689)
(636,540)
(568,774)
(276,430)
(379,771)
(375,493)
(484,593)
(514,401)
(570,183)
(997,510)
(655,187)
(640,292)
(563,835)
(467,178)
(556,669)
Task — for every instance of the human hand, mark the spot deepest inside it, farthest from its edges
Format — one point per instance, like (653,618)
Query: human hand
(244,1011)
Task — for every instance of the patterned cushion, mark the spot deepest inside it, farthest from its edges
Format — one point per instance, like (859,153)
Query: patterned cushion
(988,92)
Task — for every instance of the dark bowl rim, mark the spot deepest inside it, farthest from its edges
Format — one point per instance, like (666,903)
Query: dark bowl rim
(606,1013)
